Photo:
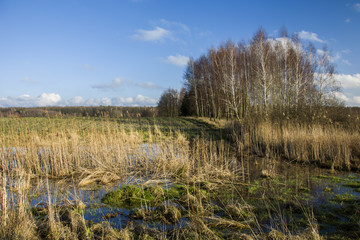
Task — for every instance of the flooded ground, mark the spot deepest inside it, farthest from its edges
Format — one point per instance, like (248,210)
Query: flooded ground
(284,190)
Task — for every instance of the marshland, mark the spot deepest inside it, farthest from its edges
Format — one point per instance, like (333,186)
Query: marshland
(68,177)
(255,146)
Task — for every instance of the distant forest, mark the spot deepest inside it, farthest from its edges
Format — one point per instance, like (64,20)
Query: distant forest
(99,111)
(262,77)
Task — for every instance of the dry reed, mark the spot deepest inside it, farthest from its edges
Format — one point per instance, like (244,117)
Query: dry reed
(327,146)
(104,151)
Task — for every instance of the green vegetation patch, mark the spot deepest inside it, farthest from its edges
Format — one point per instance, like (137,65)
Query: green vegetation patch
(352,184)
(345,198)
(351,181)
(279,190)
(330,178)
(134,196)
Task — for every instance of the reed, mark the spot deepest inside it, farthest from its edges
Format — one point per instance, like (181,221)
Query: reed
(328,146)
(104,151)
(89,151)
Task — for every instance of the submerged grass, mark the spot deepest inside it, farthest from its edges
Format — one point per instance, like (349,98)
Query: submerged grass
(211,195)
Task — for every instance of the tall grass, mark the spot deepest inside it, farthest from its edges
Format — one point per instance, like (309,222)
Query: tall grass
(102,151)
(328,146)
(63,148)
(91,151)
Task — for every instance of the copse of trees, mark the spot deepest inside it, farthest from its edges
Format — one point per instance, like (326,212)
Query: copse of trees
(262,76)
(169,104)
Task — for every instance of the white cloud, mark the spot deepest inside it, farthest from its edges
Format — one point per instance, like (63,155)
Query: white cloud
(176,25)
(139,100)
(122,101)
(76,101)
(357,7)
(88,67)
(331,58)
(310,36)
(178,60)
(162,30)
(45,99)
(24,97)
(349,81)
(48,99)
(351,85)
(348,98)
(157,34)
(341,96)
(148,85)
(53,99)
(105,101)
(286,43)
(143,100)
(345,61)
(116,83)
(348,20)
(356,99)
(28,80)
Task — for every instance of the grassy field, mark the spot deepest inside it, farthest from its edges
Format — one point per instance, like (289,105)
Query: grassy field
(176,178)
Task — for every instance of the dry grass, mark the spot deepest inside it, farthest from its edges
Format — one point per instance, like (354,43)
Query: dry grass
(90,152)
(328,146)
(103,151)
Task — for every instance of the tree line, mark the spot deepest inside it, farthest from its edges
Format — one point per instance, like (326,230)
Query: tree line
(80,111)
(263,76)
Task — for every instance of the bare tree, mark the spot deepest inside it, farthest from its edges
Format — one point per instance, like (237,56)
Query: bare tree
(324,79)
(191,82)
(169,103)
(265,75)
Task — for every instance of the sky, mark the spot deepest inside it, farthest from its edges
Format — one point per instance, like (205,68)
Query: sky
(127,52)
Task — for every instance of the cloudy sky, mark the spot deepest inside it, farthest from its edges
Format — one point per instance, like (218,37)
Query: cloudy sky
(127,52)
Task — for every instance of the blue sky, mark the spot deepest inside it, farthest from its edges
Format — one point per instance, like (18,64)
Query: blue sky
(127,52)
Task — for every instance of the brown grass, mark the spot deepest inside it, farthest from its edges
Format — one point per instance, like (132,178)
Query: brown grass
(327,146)
(95,152)
(102,152)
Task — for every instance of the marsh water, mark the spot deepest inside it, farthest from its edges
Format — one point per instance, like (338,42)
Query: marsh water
(320,185)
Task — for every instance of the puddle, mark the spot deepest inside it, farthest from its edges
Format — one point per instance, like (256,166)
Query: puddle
(321,186)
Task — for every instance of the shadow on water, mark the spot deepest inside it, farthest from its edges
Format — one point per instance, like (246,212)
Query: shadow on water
(332,197)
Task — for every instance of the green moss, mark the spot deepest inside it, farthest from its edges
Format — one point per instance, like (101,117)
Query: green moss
(130,197)
(254,188)
(344,198)
(331,178)
(304,189)
(180,190)
(135,197)
(328,189)
(156,194)
(352,184)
